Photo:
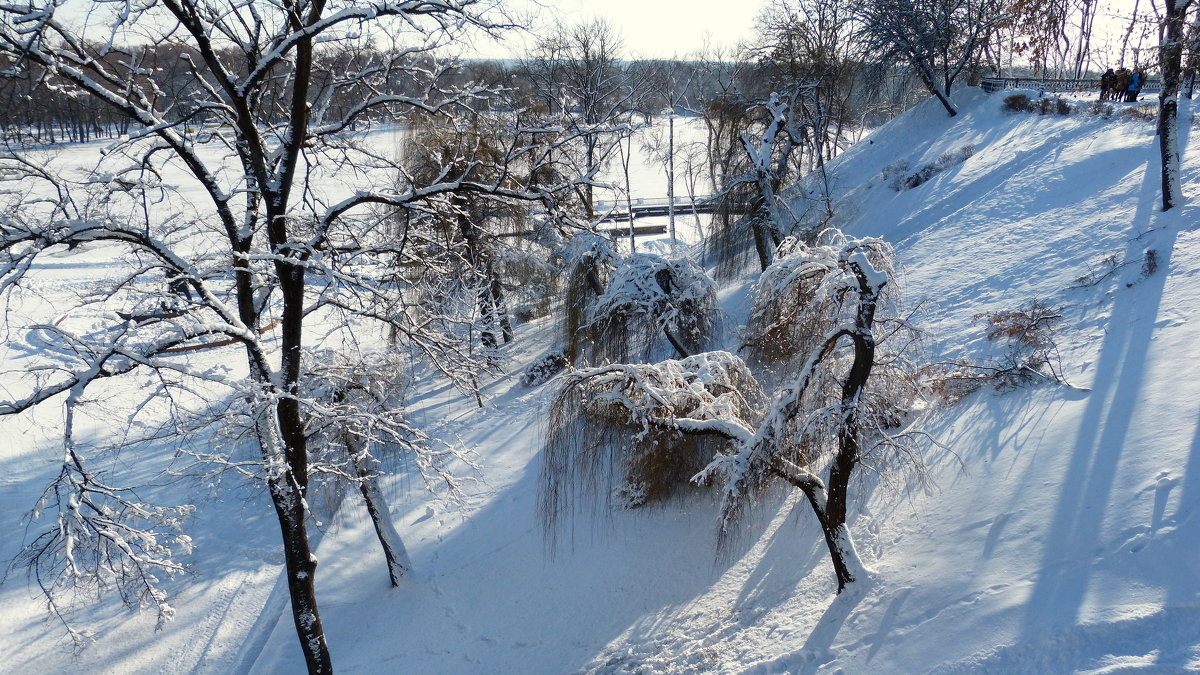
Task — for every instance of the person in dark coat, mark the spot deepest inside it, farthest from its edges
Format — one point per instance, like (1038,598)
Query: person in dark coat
(1108,82)
(1123,78)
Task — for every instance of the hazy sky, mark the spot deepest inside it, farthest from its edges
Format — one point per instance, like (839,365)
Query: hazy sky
(665,28)
(651,28)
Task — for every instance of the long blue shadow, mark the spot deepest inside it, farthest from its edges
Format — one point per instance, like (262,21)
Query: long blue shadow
(1062,585)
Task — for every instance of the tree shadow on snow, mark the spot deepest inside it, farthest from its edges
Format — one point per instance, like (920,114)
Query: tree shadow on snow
(1075,529)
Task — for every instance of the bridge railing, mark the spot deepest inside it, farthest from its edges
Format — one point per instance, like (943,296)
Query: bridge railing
(994,84)
(648,203)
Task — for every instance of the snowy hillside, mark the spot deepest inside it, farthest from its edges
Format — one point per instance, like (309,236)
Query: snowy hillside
(1060,533)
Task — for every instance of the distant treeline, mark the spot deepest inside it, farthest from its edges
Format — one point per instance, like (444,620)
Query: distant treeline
(36,108)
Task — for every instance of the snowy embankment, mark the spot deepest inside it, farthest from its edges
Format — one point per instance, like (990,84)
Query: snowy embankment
(1061,530)
(1060,533)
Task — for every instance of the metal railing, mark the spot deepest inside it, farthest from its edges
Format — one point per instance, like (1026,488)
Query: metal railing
(994,84)
(639,203)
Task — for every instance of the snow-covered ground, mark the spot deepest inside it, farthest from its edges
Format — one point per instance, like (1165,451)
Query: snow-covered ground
(1060,534)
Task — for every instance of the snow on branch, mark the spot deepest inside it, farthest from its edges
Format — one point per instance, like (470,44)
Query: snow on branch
(845,402)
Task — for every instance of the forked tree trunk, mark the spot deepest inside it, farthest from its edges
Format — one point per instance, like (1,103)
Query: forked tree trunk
(829,503)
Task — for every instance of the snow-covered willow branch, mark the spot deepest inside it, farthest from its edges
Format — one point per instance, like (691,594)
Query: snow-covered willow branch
(831,412)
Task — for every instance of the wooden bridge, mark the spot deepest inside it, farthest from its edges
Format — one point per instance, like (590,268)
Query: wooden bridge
(619,210)
(994,84)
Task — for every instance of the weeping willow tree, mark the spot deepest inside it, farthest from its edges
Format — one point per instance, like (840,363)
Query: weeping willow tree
(792,306)
(466,256)
(589,260)
(461,231)
(843,409)
(651,300)
(606,438)
(635,308)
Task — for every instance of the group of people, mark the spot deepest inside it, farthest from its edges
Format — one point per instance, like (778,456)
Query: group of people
(1121,85)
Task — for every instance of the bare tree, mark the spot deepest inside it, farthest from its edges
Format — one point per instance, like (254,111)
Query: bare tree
(939,39)
(583,61)
(267,249)
(812,45)
(672,83)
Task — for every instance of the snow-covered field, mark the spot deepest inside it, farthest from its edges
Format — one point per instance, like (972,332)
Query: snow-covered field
(1060,534)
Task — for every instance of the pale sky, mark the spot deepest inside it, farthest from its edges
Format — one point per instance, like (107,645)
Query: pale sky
(666,28)
(650,28)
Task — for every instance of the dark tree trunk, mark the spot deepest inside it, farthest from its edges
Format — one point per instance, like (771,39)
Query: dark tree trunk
(288,491)
(849,454)
(506,329)
(833,542)
(301,572)
(945,101)
(762,244)
(1170,57)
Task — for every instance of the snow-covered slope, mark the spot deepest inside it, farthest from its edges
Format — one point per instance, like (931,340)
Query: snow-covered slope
(1061,532)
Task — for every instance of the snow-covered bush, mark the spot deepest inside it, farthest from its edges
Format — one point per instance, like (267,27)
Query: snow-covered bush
(1142,113)
(613,430)
(544,368)
(1045,105)
(649,299)
(898,178)
(842,407)
(900,181)
(1099,109)
(894,173)
(1015,103)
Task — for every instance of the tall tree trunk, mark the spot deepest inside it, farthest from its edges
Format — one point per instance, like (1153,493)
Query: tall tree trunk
(588,197)
(301,567)
(626,157)
(288,491)
(1170,56)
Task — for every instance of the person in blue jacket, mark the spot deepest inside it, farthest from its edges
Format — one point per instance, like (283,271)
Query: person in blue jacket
(1135,85)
